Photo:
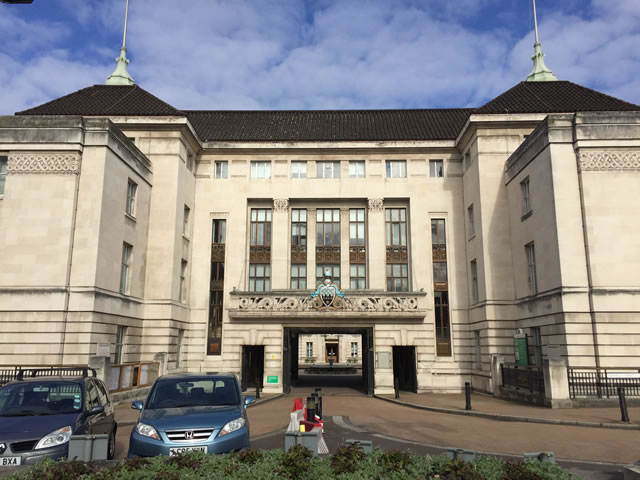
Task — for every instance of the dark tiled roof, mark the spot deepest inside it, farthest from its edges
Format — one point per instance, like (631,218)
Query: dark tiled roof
(329,125)
(553,97)
(116,100)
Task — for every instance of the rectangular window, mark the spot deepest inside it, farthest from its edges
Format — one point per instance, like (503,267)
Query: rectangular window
(397,258)
(216,286)
(183,282)
(3,173)
(476,335)
(332,269)
(437,232)
(179,340)
(132,189)
(440,287)
(467,160)
(299,227)
(261,169)
(189,162)
(298,169)
(396,227)
(443,335)
(354,349)
(358,276)
(534,344)
(328,169)
(121,333)
(125,268)
(531,268)
(436,168)
(299,276)
(356,227)
(309,349)
(186,220)
(356,169)
(397,277)
(328,227)
(526,199)
(472,227)
(259,277)
(474,281)
(440,272)
(222,169)
(396,168)
(260,227)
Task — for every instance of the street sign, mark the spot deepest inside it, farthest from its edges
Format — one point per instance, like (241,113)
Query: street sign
(272,379)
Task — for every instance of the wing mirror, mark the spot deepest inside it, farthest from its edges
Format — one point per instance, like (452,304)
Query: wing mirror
(96,410)
(248,400)
(137,405)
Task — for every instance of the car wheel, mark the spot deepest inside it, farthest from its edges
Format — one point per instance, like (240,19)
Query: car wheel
(111,447)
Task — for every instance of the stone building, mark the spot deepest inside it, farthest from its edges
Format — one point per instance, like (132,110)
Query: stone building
(127,222)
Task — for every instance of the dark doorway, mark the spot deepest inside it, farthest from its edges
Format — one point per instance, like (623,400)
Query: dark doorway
(404,368)
(252,366)
(332,352)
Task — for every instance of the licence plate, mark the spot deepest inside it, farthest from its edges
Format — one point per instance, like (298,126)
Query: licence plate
(178,451)
(10,461)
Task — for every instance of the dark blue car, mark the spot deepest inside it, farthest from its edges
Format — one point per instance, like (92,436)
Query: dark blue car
(38,416)
(188,412)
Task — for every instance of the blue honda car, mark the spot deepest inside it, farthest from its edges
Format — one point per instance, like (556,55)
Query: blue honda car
(186,412)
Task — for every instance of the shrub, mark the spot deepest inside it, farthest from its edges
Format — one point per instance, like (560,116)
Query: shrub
(296,462)
(396,461)
(347,459)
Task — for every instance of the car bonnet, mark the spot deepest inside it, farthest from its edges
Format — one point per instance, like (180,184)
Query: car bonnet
(191,417)
(34,426)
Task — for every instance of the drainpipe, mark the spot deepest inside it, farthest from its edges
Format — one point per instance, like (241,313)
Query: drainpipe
(67,286)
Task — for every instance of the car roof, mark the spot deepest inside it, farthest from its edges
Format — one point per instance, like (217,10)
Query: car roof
(173,376)
(48,379)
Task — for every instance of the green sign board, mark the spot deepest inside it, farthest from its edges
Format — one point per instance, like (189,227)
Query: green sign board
(272,379)
(520,348)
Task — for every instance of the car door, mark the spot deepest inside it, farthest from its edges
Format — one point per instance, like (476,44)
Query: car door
(95,423)
(105,401)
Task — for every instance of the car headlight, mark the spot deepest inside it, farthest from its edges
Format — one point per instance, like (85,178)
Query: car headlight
(232,426)
(59,437)
(147,431)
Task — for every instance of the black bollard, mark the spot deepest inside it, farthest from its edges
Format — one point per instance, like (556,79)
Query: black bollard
(396,387)
(467,395)
(311,411)
(623,405)
(318,391)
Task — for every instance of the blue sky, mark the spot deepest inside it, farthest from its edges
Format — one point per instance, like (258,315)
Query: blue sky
(315,54)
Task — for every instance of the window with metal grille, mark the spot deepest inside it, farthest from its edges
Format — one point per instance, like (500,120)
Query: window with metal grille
(299,276)
(132,189)
(261,169)
(328,169)
(222,169)
(531,268)
(396,168)
(357,168)
(259,277)
(125,268)
(298,169)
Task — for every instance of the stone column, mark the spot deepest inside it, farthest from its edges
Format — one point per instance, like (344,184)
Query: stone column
(311,249)
(344,249)
(556,384)
(102,365)
(376,245)
(496,374)
(162,359)
(280,244)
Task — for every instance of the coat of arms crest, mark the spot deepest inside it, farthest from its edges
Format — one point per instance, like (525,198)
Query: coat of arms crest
(327,291)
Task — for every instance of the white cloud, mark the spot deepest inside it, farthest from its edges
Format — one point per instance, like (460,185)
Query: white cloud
(215,54)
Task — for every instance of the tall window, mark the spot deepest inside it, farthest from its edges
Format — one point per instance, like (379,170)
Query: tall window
(216,287)
(125,268)
(526,199)
(186,219)
(222,169)
(356,169)
(357,249)
(189,161)
(440,287)
(474,281)
(443,335)
(132,189)
(183,281)
(299,227)
(476,336)
(260,250)
(534,344)
(472,227)
(467,160)
(354,349)
(309,349)
(3,173)
(298,169)
(332,268)
(436,168)
(121,333)
(328,227)
(396,168)
(298,276)
(397,256)
(328,169)
(261,169)
(531,268)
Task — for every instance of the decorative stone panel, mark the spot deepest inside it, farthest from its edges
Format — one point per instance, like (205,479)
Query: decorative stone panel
(590,160)
(376,205)
(281,205)
(60,163)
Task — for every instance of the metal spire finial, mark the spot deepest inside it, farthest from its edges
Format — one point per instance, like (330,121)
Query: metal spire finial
(120,75)
(540,72)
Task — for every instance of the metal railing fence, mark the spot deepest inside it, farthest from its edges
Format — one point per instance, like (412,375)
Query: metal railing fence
(525,377)
(603,382)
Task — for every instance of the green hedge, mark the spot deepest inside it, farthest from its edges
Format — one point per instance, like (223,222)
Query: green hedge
(348,463)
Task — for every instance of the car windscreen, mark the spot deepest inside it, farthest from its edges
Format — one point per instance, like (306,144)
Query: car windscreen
(181,392)
(47,397)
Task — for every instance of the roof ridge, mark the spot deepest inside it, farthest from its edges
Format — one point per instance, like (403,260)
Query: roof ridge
(372,110)
(602,93)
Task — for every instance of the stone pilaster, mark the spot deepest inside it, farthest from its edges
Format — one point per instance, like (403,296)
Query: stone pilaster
(376,245)
(344,248)
(311,249)
(280,244)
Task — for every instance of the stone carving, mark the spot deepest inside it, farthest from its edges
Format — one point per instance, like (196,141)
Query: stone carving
(376,205)
(61,163)
(609,160)
(347,304)
(281,205)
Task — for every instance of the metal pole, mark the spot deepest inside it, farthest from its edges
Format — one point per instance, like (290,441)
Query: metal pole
(396,387)
(624,414)
(311,412)
(467,395)
(319,393)
(258,381)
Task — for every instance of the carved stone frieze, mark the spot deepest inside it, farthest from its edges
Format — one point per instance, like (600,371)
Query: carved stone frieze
(60,163)
(281,205)
(348,304)
(376,205)
(590,160)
